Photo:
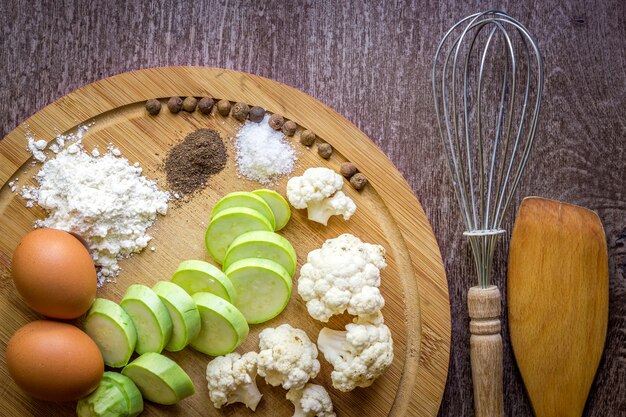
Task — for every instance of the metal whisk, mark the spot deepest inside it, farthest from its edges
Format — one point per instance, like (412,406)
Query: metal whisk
(487,85)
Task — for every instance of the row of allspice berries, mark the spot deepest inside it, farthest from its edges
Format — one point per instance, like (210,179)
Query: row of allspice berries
(241,111)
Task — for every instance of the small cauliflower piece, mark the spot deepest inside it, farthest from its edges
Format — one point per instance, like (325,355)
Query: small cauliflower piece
(287,357)
(311,401)
(319,191)
(344,274)
(231,379)
(360,354)
(337,205)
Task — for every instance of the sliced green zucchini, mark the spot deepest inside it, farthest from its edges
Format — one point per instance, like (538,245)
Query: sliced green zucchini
(223,326)
(106,401)
(230,223)
(262,244)
(199,276)
(150,317)
(129,389)
(183,312)
(279,206)
(160,379)
(263,286)
(113,330)
(245,199)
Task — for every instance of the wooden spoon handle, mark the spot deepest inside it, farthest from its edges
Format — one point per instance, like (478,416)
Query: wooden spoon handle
(486,350)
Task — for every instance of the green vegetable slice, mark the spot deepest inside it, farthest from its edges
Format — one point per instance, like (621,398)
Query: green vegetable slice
(262,244)
(183,312)
(247,200)
(199,276)
(106,401)
(230,223)
(150,317)
(279,206)
(223,326)
(128,389)
(113,330)
(160,379)
(263,286)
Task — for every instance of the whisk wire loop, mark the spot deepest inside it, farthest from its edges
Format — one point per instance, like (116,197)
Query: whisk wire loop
(486,156)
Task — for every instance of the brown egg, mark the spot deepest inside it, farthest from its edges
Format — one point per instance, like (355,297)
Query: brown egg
(54,361)
(54,273)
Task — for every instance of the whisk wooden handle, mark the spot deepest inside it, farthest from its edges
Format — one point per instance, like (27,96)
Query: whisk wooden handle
(486,350)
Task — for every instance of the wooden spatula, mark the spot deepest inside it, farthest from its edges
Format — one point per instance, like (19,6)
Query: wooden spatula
(557,298)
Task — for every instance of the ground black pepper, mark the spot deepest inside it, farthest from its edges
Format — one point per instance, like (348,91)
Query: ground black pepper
(189,164)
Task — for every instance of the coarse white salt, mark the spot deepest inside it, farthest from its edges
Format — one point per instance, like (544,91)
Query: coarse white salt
(263,154)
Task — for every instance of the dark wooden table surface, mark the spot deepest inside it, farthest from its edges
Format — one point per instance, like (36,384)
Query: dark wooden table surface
(371,61)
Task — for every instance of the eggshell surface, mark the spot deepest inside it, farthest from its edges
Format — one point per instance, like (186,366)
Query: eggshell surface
(54,273)
(54,361)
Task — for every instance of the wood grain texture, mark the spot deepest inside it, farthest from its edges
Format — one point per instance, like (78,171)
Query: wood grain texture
(414,284)
(484,306)
(371,61)
(558,290)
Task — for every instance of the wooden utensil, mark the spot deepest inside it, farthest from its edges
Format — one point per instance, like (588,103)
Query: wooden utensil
(414,282)
(557,298)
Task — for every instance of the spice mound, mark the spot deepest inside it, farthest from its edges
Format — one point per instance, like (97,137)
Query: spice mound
(104,199)
(189,164)
(263,154)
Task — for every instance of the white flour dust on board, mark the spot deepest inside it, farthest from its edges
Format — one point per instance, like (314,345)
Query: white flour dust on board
(101,197)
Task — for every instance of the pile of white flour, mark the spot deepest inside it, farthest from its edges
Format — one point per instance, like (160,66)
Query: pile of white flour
(104,199)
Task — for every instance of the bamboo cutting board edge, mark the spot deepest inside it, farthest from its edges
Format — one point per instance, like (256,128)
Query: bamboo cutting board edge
(428,376)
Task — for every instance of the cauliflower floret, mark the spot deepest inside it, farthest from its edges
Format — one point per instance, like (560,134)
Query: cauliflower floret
(231,379)
(313,191)
(344,274)
(311,401)
(339,204)
(360,354)
(287,357)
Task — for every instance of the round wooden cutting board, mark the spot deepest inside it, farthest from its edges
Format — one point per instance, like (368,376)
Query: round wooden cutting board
(414,285)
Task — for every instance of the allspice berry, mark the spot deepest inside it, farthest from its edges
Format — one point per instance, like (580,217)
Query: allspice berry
(189,104)
(358,181)
(153,106)
(307,138)
(276,121)
(289,127)
(175,104)
(223,107)
(205,105)
(240,111)
(324,150)
(347,169)
(257,113)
